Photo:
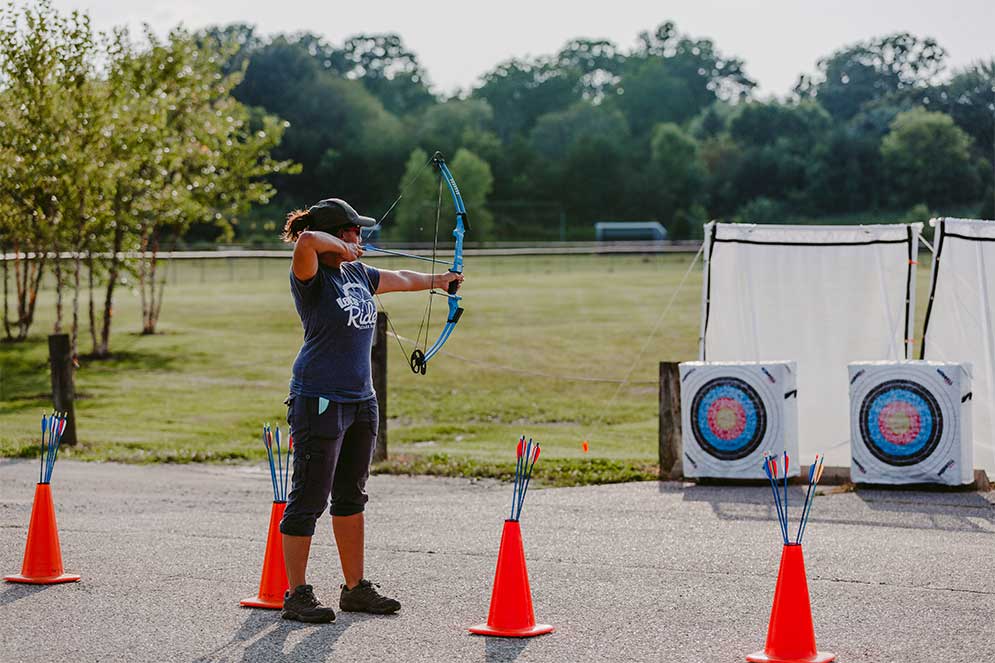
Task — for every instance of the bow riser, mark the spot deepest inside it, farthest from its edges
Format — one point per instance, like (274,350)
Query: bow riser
(418,359)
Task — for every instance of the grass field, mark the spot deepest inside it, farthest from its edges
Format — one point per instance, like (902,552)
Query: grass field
(536,353)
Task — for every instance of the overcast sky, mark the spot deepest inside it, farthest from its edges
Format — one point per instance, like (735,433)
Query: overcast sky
(456,42)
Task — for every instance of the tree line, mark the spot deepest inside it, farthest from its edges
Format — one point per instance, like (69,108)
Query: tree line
(669,130)
(112,145)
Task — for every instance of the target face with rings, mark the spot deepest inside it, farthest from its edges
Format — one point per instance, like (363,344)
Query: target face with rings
(728,418)
(900,422)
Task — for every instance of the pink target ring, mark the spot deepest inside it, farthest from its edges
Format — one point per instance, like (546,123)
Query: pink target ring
(899,423)
(726,418)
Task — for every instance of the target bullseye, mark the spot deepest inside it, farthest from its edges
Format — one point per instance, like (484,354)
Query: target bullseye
(901,422)
(728,418)
(734,412)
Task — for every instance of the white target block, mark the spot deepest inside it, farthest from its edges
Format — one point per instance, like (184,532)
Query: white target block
(910,422)
(733,412)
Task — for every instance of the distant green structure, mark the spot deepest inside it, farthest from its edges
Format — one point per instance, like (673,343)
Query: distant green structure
(629,231)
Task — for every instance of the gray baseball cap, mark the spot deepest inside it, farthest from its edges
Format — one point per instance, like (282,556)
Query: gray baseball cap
(334,212)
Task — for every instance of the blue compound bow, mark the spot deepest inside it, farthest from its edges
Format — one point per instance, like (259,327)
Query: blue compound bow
(419,358)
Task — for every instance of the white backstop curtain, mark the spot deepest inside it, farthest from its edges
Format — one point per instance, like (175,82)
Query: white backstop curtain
(959,318)
(822,296)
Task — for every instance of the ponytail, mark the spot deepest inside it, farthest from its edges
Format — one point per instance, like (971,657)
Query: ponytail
(297,222)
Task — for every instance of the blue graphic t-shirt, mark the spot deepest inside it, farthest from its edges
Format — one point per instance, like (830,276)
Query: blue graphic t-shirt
(339,317)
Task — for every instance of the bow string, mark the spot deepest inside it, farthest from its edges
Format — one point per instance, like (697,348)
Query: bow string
(419,358)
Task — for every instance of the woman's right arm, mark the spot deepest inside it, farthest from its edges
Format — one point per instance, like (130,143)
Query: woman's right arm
(312,243)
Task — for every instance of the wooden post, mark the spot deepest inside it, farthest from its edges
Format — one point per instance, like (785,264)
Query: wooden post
(378,358)
(670,421)
(63,393)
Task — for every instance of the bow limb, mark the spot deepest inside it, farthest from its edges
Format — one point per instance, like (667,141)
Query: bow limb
(420,359)
(454,315)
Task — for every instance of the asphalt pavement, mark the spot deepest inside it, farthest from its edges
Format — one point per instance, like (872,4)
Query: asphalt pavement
(629,572)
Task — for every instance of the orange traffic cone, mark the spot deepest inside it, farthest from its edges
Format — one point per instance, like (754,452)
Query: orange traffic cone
(511,613)
(790,636)
(273,583)
(42,554)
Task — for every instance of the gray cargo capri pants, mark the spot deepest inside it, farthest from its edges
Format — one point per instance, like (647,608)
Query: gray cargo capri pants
(332,455)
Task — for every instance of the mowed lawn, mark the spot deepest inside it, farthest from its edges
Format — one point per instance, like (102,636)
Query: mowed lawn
(536,335)
(543,348)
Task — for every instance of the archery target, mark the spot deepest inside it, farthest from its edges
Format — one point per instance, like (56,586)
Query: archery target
(732,412)
(910,423)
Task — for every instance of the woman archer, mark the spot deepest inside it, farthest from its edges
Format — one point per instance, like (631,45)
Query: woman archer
(332,408)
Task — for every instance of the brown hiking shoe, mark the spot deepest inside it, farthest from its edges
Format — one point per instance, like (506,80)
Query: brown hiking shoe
(302,606)
(364,597)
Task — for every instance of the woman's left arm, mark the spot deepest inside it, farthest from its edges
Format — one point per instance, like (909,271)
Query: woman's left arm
(403,280)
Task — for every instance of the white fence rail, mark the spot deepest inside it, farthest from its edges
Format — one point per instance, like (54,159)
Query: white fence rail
(507,249)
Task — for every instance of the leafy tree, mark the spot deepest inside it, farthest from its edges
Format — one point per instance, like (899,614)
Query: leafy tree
(339,132)
(555,133)
(969,98)
(679,175)
(652,93)
(722,159)
(762,210)
(799,126)
(671,78)
(777,141)
(42,79)
(238,39)
(712,121)
(595,64)
(416,201)
(424,200)
(988,203)
(86,184)
(444,126)
(380,62)
(927,159)
(697,60)
(857,75)
(476,182)
(844,172)
(386,68)
(520,91)
(593,180)
(184,150)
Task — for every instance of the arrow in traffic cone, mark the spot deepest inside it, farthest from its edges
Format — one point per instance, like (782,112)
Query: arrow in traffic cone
(790,635)
(273,583)
(42,553)
(511,614)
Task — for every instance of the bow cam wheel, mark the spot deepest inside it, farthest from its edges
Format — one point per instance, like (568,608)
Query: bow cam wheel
(418,362)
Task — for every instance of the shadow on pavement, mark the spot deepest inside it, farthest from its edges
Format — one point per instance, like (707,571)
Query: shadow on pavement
(15,591)
(499,650)
(260,638)
(944,511)
(263,637)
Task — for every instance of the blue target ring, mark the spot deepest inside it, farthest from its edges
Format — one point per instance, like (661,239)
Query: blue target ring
(900,422)
(728,418)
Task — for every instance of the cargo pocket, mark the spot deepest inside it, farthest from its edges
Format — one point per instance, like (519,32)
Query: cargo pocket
(289,402)
(326,422)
